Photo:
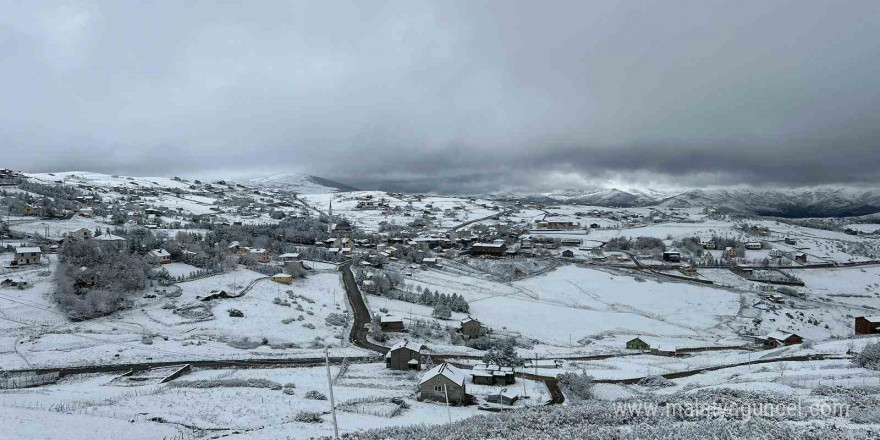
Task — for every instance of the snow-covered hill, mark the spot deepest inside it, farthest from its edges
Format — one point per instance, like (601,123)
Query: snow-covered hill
(809,202)
(301,183)
(797,202)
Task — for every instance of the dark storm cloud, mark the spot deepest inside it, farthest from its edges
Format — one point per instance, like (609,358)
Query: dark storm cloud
(447,96)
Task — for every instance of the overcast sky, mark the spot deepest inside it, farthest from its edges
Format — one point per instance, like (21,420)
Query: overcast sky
(458,96)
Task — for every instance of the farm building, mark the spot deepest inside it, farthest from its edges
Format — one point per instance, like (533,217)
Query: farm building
(289,256)
(866,325)
(672,256)
(800,257)
(471,328)
(27,255)
(496,249)
(637,344)
(568,253)
(570,242)
(391,323)
(282,278)
(504,397)
(492,374)
(430,261)
(443,383)
(754,245)
(404,355)
(778,339)
(160,255)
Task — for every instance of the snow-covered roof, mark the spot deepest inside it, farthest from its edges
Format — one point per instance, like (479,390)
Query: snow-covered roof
(289,255)
(282,275)
(390,319)
(429,260)
(779,335)
(109,237)
(233,244)
(27,250)
(875,318)
(498,245)
(467,320)
(445,370)
(258,251)
(506,393)
(159,253)
(404,344)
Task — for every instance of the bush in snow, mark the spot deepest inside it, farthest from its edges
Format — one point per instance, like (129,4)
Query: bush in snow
(226,383)
(308,417)
(655,382)
(315,395)
(576,385)
(869,357)
(235,313)
(337,319)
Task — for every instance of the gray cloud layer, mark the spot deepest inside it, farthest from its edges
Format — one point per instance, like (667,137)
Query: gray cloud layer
(447,96)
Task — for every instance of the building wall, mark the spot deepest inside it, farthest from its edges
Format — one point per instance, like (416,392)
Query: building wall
(428,392)
(400,358)
(865,327)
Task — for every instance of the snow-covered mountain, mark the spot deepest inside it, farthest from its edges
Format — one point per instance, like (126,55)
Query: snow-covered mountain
(797,202)
(806,202)
(301,183)
(611,197)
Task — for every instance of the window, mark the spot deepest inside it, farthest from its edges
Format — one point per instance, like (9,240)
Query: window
(438,388)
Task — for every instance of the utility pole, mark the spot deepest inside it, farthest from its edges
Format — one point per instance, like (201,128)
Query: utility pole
(330,385)
(448,411)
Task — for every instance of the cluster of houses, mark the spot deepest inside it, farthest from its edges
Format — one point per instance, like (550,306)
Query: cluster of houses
(447,383)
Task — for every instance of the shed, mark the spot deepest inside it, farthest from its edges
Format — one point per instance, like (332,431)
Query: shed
(866,325)
(504,397)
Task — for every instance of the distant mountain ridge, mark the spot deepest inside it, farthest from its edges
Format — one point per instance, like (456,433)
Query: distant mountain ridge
(793,203)
(303,183)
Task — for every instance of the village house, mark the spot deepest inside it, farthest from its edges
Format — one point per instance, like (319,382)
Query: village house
(86,277)
(754,245)
(81,233)
(289,256)
(111,241)
(282,278)
(260,255)
(866,325)
(494,249)
(391,324)
(800,258)
(160,255)
(568,253)
(779,338)
(26,255)
(404,355)
(637,344)
(471,328)
(430,261)
(443,383)
(789,240)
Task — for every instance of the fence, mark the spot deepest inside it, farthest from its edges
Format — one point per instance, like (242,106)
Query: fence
(363,406)
(848,382)
(28,380)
